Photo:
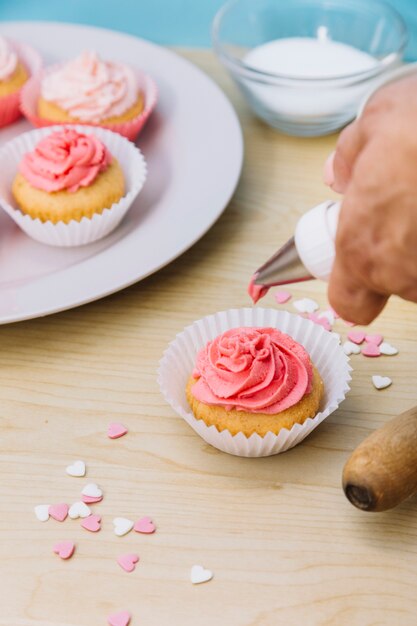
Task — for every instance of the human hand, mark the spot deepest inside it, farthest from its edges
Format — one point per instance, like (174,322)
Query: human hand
(375,167)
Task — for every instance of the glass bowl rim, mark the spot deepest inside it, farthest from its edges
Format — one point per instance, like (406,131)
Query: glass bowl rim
(244,69)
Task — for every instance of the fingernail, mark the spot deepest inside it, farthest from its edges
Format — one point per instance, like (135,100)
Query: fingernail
(328,172)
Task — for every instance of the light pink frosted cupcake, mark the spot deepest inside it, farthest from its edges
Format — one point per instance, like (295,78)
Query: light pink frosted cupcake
(18,62)
(90,90)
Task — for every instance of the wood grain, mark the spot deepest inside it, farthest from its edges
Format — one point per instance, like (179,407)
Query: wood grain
(285,545)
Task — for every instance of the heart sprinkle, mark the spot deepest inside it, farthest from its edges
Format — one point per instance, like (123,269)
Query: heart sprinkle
(381,382)
(58,512)
(144,525)
(356,336)
(200,575)
(320,320)
(128,561)
(92,523)
(122,526)
(350,348)
(91,500)
(92,491)
(376,339)
(387,349)
(116,430)
(64,549)
(281,297)
(119,619)
(79,509)
(305,305)
(77,469)
(42,512)
(371,349)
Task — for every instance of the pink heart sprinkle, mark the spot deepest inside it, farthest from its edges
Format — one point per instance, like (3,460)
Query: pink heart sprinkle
(92,523)
(91,499)
(371,349)
(144,525)
(356,336)
(376,339)
(128,561)
(282,297)
(119,619)
(64,549)
(348,323)
(116,430)
(58,511)
(321,321)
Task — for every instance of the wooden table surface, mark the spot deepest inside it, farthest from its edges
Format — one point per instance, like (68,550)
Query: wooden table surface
(285,545)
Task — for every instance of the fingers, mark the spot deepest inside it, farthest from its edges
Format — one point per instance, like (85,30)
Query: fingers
(350,298)
(339,165)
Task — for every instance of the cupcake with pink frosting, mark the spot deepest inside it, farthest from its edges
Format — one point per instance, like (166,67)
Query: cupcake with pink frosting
(91,90)
(17,63)
(254,380)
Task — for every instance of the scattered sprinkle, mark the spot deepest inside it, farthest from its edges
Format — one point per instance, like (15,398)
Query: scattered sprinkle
(92,523)
(348,323)
(119,619)
(58,512)
(77,469)
(305,305)
(200,575)
(79,509)
(128,561)
(144,525)
(282,297)
(42,512)
(91,500)
(116,430)
(321,321)
(350,348)
(387,349)
(357,336)
(122,526)
(371,349)
(64,549)
(381,382)
(376,339)
(92,491)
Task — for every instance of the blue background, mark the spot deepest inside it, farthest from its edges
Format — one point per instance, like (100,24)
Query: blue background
(169,22)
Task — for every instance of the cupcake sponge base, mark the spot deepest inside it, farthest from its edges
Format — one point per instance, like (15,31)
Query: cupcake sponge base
(51,111)
(15,82)
(261,423)
(64,206)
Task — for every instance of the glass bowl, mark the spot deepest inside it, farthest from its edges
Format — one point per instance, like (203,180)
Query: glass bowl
(300,101)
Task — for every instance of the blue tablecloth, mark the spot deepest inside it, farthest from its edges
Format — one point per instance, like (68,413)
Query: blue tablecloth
(169,22)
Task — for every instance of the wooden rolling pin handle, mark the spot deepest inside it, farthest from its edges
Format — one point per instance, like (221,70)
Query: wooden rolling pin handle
(382,471)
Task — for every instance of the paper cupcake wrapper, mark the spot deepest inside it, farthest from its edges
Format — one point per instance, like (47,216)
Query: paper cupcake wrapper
(32,89)
(324,349)
(75,233)
(10,105)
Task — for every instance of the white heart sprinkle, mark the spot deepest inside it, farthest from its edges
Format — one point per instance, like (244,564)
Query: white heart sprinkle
(337,335)
(79,509)
(122,526)
(306,305)
(92,490)
(351,348)
(381,382)
(76,469)
(387,349)
(42,512)
(200,575)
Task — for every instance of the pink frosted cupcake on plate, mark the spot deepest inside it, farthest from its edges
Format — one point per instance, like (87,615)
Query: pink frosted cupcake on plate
(91,90)
(17,63)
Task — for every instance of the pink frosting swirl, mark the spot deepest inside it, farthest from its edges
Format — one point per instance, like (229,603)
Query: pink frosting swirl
(260,370)
(8,59)
(66,159)
(90,89)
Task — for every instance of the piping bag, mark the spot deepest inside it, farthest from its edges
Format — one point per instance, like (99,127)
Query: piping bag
(309,254)
(382,471)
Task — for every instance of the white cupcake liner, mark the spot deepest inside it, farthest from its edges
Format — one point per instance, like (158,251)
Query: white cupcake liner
(75,233)
(327,355)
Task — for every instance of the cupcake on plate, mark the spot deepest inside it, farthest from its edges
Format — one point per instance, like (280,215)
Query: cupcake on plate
(91,90)
(69,175)
(17,63)
(254,380)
